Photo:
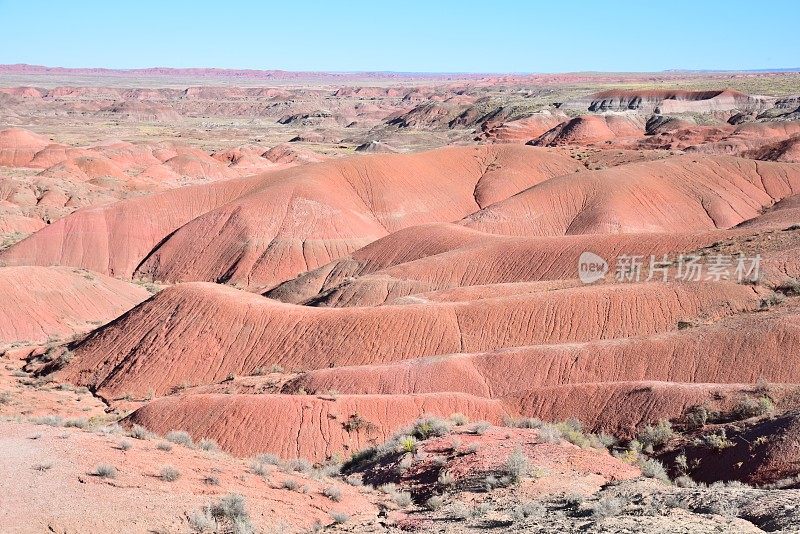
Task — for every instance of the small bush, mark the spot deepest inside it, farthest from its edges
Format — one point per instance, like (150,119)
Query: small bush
(179,437)
(299,465)
(717,441)
(76,423)
(105,471)
(657,435)
(169,474)
(46,466)
(517,465)
(208,444)
(430,427)
(124,445)
(524,422)
(49,420)
(750,407)
(458,510)
(5,397)
(526,510)
(446,478)
(262,470)
(339,517)
(434,503)
(697,416)
(608,507)
(408,444)
(232,509)
(458,419)
(573,500)
(211,480)
(270,459)
(472,448)
(139,432)
(333,493)
(202,522)
(354,480)
(549,434)
(607,440)
(164,446)
(573,434)
(401,498)
(355,422)
(652,468)
(480,428)
(290,484)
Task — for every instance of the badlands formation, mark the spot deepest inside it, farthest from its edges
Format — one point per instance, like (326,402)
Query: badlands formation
(557,303)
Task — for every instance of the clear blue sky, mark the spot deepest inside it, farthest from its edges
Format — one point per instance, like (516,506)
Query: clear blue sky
(403,35)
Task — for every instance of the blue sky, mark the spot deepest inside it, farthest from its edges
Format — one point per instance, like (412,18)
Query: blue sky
(408,35)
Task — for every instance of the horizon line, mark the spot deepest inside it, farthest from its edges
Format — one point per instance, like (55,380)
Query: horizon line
(6,68)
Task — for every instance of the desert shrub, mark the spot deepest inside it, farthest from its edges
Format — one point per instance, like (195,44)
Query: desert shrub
(388,488)
(773,299)
(169,474)
(76,423)
(607,440)
(354,480)
(124,445)
(401,498)
(408,444)
(549,433)
(685,481)
(339,517)
(682,463)
(164,446)
(105,471)
(179,437)
(290,484)
(48,420)
(202,522)
(717,441)
(480,428)
(608,507)
(42,467)
(697,416)
(652,468)
(481,509)
(573,434)
(516,465)
(262,470)
(429,427)
(526,510)
(208,444)
(355,422)
(231,509)
(446,478)
(267,458)
(211,480)
(139,432)
(458,419)
(749,407)
(472,448)
(523,422)
(6,397)
(654,436)
(333,493)
(434,503)
(458,510)
(573,500)
(299,465)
